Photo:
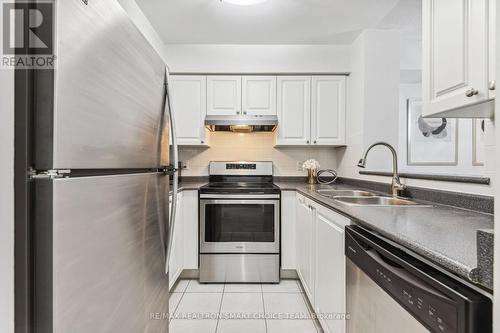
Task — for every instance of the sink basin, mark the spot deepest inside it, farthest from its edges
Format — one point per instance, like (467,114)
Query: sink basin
(344,193)
(375,201)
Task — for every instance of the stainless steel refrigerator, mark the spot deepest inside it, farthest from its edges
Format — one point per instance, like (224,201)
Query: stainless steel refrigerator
(100,177)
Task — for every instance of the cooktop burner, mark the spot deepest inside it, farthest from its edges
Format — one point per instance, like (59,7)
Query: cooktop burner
(241,177)
(247,188)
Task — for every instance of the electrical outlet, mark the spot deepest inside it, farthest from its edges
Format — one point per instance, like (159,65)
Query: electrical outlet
(299,166)
(184,165)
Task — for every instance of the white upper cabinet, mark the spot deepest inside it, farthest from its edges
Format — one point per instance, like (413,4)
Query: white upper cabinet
(328,111)
(259,95)
(189,95)
(492,47)
(224,95)
(455,64)
(294,110)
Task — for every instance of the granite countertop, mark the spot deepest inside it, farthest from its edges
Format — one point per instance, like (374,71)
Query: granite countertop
(189,186)
(445,235)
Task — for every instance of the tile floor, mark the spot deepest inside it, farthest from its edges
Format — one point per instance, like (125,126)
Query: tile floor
(240,308)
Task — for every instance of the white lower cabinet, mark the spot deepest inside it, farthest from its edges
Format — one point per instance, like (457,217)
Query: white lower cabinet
(185,241)
(190,222)
(321,261)
(305,247)
(329,293)
(288,230)
(176,264)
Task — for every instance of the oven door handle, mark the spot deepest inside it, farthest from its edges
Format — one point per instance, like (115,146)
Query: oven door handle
(245,201)
(239,196)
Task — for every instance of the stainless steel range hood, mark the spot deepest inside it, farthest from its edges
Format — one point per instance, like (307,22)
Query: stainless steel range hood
(242,124)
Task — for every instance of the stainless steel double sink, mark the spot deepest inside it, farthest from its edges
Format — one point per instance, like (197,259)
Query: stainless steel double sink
(364,198)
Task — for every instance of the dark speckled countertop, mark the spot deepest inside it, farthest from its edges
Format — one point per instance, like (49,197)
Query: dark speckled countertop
(442,234)
(189,186)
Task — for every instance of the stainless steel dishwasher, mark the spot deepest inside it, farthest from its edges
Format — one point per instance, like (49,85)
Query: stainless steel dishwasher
(390,291)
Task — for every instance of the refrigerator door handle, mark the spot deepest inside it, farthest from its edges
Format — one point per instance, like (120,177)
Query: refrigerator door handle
(175,162)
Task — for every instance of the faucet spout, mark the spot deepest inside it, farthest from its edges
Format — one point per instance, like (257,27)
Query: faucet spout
(396,186)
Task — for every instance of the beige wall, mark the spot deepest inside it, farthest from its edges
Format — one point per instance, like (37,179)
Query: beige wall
(144,26)
(372,100)
(369,68)
(253,147)
(196,58)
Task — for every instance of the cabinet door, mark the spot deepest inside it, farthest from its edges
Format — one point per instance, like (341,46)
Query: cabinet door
(492,12)
(176,263)
(330,268)
(224,95)
(455,49)
(259,95)
(189,103)
(305,255)
(288,230)
(190,223)
(328,110)
(300,240)
(294,110)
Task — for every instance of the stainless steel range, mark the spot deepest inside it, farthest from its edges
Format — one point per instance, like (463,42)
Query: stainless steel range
(240,224)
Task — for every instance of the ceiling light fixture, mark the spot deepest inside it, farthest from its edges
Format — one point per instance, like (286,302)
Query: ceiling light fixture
(243,2)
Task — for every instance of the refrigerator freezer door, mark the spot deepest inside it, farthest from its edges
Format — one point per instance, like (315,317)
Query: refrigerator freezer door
(101,107)
(100,265)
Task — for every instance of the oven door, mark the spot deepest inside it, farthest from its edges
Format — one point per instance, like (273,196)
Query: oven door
(239,225)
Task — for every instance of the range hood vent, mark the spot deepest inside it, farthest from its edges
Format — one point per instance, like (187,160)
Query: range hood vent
(241,124)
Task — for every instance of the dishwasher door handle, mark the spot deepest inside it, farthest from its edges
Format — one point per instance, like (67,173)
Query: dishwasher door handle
(362,248)
(404,275)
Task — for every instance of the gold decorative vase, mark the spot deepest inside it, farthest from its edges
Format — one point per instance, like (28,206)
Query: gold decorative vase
(311,176)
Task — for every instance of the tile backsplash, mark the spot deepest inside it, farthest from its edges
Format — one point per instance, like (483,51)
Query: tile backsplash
(226,146)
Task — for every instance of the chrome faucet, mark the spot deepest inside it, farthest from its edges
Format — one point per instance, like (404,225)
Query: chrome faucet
(396,185)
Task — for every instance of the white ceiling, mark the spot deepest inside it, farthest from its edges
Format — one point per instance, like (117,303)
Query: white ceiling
(276,21)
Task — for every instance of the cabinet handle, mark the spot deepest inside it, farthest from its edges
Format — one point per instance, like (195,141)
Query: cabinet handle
(492,85)
(244,112)
(471,92)
(315,141)
(237,112)
(307,141)
(202,141)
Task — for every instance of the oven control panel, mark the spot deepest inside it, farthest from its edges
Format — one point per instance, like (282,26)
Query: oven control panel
(240,166)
